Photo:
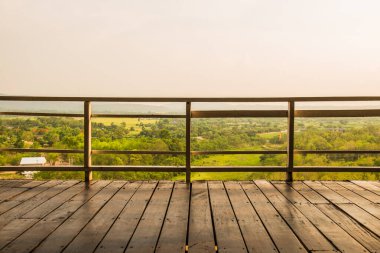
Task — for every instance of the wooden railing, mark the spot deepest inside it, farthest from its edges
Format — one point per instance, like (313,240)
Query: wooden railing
(290,114)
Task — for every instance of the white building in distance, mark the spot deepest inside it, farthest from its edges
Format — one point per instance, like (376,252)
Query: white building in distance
(32,161)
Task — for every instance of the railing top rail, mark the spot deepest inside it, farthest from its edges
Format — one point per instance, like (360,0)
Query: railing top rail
(191,99)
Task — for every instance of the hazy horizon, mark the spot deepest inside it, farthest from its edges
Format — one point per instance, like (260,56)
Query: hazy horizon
(190,49)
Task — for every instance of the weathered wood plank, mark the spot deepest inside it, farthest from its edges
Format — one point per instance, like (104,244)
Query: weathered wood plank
(363,217)
(301,226)
(66,232)
(30,239)
(282,235)
(307,194)
(38,199)
(7,205)
(334,233)
(148,230)
(94,231)
(324,251)
(36,190)
(117,238)
(364,203)
(10,203)
(373,197)
(12,230)
(10,192)
(33,183)
(346,193)
(375,183)
(340,238)
(51,204)
(55,216)
(367,185)
(227,230)
(174,231)
(15,183)
(366,238)
(255,235)
(5,185)
(326,192)
(201,234)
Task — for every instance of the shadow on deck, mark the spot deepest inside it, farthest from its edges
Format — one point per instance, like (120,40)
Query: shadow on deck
(164,216)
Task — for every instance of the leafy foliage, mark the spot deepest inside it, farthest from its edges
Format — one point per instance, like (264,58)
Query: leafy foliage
(207,134)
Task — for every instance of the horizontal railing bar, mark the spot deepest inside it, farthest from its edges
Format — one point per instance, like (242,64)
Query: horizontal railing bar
(335,169)
(238,169)
(140,168)
(43,114)
(338,113)
(218,114)
(41,150)
(197,168)
(334,99)
(137,116)
(191,99)
(41,168)
(337,152)
(238,152)
(140,152)
(239,113)
(206,152)
(95,168)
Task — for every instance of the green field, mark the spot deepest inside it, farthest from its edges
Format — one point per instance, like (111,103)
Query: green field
(130,123)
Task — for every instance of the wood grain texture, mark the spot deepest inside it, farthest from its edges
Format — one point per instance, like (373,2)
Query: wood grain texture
(174,231)
(124,226)
(227,230)
(301,226)
(201,234)
(203,216)
(255,235)
(66,232)
(281,233)
(148,230)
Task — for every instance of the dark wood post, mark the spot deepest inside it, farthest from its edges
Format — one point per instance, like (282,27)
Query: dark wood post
(188,142)
(87,142)
(290,150)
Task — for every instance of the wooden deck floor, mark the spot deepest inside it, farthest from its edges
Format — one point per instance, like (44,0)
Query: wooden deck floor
(120,216)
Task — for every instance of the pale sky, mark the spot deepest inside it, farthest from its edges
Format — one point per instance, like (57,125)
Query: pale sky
(190,48)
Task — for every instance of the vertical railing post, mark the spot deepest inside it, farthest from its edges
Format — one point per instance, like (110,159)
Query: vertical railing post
(290,149)
(188,143)
(87,142)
